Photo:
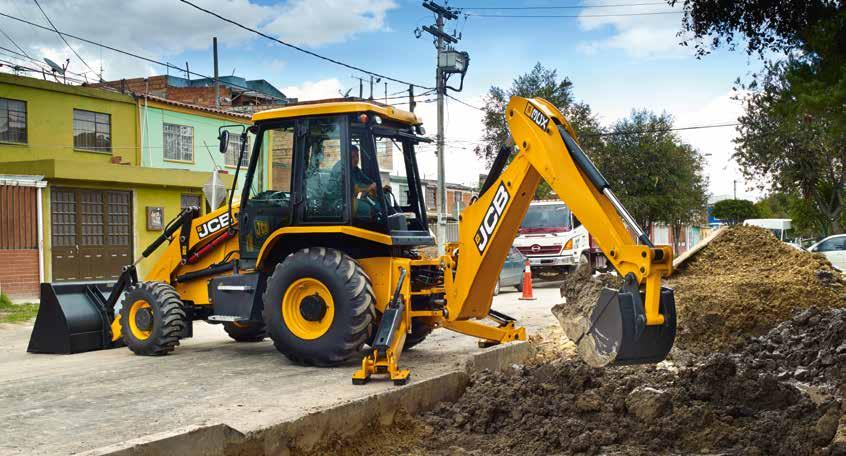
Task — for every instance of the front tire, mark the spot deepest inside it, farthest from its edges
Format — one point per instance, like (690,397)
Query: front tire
(152,319)
(319,307)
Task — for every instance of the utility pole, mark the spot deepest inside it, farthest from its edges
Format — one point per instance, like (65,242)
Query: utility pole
(443,69)
(735,189)
(216,77)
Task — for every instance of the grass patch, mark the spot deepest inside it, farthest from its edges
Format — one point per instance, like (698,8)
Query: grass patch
(16,313)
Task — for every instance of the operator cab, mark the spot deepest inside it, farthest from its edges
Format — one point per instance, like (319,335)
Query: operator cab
(320,165)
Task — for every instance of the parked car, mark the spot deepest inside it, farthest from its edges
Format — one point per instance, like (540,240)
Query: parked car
(512,271)
(834,248)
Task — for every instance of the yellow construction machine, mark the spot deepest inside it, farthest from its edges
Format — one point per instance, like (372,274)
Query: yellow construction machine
(316,255)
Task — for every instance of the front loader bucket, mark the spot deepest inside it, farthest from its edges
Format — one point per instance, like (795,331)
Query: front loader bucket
(72,318)
(617,333)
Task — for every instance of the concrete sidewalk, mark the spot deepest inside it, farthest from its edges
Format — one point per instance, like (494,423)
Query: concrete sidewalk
(55,404)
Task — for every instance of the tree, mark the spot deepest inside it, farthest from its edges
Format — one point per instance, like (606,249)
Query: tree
(657,177)
(540,82)
(764,25)
(734,211)
(793,145)
(793,135)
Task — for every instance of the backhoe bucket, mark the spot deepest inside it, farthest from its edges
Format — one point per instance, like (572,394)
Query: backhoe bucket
(72,318)
(618,334)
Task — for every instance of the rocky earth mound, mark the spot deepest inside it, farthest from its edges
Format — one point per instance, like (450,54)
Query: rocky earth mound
(745,283)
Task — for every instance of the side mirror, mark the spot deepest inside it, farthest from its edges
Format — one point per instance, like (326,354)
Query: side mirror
(224,141)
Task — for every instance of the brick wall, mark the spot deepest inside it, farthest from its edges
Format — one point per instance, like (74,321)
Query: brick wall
(19,273)
(202,96)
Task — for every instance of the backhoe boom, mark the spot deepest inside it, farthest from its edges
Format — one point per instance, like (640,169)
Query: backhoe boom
(546,149)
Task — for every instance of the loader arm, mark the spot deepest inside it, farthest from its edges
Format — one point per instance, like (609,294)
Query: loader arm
(547,149)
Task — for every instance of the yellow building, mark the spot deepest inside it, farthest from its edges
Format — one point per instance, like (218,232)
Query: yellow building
(100,207)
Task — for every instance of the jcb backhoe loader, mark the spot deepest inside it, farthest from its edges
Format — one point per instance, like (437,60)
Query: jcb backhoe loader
(314,256)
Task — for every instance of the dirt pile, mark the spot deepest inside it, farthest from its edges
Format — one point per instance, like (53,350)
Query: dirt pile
(809,348)
(719,406)
(745,283)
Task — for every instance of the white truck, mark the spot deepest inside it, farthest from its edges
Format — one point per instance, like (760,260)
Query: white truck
(555,242)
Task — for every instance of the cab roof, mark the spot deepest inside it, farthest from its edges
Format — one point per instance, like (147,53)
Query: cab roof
(337,106)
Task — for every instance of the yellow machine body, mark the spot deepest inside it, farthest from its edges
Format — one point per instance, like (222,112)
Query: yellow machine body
(460,295)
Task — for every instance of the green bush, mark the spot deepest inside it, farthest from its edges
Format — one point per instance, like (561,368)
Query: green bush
(734,211)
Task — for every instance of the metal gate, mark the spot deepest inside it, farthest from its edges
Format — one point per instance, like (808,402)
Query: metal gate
(91,233)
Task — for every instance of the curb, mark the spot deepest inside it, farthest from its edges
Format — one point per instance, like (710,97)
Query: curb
(303,433)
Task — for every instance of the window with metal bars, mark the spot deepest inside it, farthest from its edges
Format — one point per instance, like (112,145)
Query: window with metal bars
(178,142)
(92,131)
(12,120)
(233,150)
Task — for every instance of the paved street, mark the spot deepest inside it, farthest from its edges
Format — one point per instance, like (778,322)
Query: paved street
(55,404)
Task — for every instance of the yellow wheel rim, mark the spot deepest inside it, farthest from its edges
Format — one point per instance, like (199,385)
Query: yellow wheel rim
(308,308)
(137,332)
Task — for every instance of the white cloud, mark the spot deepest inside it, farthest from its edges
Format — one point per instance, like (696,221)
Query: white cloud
(639,36)
(162,28)
(463,130)
(319,22)
(314,90)
(717,144)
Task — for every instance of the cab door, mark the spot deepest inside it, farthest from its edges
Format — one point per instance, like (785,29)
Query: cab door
(322,174)
(270,201)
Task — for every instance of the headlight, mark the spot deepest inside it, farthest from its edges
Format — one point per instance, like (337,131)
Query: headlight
(377,120)
(420,130)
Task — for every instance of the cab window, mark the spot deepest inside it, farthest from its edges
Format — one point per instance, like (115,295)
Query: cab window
(324,171)
(367,196)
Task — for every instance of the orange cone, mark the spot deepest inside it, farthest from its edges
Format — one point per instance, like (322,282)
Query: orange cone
(527,284)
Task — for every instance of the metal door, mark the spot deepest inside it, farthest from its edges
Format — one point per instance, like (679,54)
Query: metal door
(91,234)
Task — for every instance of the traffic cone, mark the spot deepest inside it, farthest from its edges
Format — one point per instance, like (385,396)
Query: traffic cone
(527,284)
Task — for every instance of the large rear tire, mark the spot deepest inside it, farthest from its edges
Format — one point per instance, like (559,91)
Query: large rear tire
(245,332)
(152,319)
(319,307)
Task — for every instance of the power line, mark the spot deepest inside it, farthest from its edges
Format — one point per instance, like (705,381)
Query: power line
(120,51)
(63,38)
(464,103)
(295,47)
(462,8)
(14,43)
(663,130)
(573,16)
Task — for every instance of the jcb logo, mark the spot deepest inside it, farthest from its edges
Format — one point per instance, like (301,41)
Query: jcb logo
(212,226)
(492,217)
(539,118)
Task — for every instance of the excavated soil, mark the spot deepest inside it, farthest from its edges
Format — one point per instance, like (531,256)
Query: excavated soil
(759,368)
(746,282)
(742,284)
(720,404)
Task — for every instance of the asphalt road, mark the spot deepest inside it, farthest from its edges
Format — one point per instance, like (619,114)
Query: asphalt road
(63,404)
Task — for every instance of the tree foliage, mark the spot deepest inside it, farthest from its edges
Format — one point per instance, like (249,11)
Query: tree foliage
(734,211)
(793,133)
(658,178)
(763,25)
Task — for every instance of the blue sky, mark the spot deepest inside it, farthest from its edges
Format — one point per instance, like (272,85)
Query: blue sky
(615,63)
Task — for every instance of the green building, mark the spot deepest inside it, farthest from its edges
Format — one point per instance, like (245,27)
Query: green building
(110,169)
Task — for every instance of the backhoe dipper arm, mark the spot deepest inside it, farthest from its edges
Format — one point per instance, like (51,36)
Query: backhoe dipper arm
(547,149)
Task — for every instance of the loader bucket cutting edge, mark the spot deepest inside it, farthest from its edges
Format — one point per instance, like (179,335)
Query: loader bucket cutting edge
(72,318)
(617,334)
